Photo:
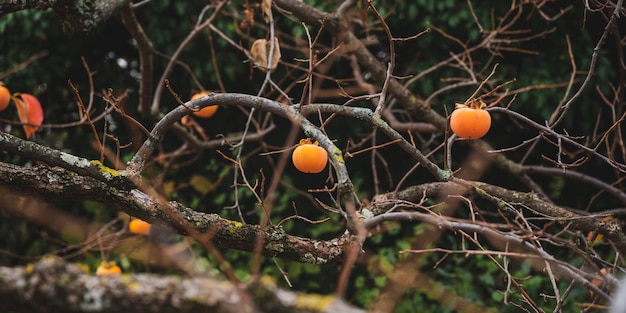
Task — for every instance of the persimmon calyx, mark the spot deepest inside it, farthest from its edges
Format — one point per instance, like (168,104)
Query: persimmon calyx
(308,141)
(472,104)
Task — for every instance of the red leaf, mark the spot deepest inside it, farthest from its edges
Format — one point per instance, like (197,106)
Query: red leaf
(29,111)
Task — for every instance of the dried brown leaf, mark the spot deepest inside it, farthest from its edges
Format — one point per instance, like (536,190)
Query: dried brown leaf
(260,53)
(266,7)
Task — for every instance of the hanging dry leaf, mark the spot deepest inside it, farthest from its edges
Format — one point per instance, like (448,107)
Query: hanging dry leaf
(266,7)
(260,53)
(29,112)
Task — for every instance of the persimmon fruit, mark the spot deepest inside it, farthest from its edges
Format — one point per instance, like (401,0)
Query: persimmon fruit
(108,268)
(309,157)
(139,227)
(470,120)
(207,111)
(5,97)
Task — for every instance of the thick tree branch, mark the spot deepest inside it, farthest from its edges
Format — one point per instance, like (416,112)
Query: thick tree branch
(52,157)
(53,285)
(611,229)
(504,197)
(56,184)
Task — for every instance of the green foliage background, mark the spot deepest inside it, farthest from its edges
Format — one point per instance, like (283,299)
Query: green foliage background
(166,23)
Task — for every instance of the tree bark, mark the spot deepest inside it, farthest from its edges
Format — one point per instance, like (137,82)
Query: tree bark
(54,183)
(53,285)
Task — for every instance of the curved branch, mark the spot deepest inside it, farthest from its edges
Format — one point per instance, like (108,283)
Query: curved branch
(138,161)
(136,164)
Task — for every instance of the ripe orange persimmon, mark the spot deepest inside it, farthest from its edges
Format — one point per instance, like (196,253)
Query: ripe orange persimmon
(5,97)
(470,120)
(108,268)
(139,227)
(309,157)
(207,111)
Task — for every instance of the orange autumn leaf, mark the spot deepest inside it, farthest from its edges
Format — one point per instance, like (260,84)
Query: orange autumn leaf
(29,111)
